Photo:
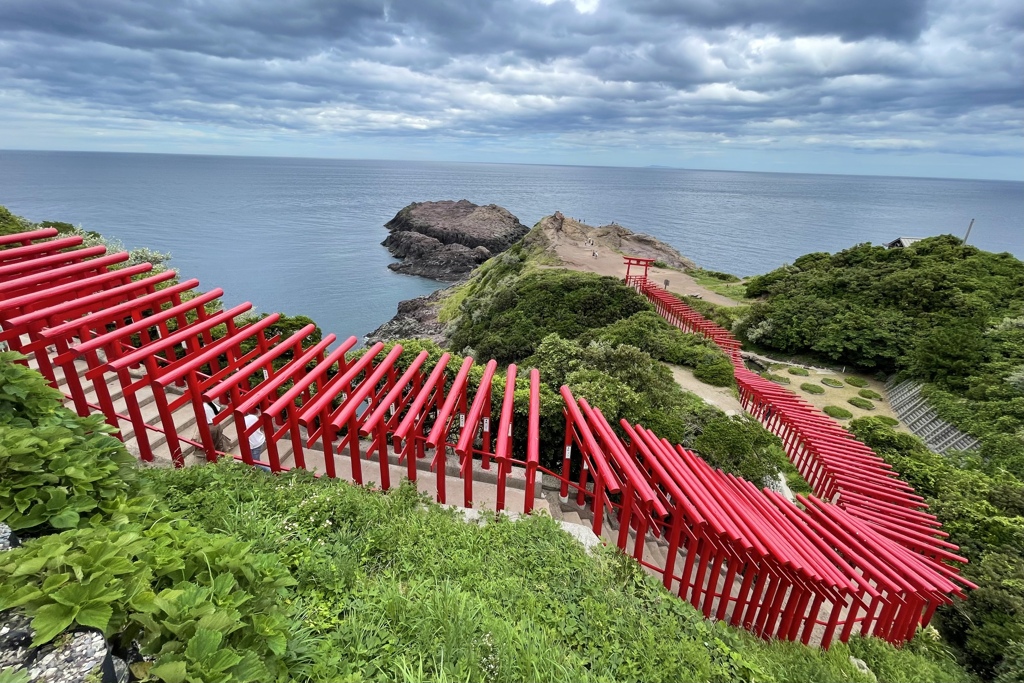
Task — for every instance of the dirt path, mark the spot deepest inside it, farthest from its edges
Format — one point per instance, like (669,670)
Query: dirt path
(720,397)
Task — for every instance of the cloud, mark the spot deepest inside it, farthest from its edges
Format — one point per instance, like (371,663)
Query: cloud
(873,77)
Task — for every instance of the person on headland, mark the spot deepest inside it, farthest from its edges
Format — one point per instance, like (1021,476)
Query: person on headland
(257,440)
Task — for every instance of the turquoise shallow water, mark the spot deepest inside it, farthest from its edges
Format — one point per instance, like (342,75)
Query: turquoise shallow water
(303,235)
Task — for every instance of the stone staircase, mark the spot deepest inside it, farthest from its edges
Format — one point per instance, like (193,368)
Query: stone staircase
(920,418)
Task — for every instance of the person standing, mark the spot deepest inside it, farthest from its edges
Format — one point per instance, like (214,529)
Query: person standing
(212,410)
(257,439)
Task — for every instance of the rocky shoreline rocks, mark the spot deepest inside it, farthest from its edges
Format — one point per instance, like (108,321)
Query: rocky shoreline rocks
(446,240)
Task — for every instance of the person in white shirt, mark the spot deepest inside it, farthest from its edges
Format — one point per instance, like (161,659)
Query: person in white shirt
(257,440)
(213,409)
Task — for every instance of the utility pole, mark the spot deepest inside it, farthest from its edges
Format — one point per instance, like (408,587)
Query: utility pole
(968,231)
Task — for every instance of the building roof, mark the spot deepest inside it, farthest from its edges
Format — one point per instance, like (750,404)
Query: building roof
(902,242)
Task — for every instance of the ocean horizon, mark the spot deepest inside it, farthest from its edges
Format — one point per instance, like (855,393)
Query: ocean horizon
(302,235)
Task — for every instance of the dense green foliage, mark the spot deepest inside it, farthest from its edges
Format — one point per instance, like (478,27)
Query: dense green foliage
(625,382)
(649,332)
(832,382)
(394,588)
(812,388)
(868,393)
(509,308)
(939,311)
(201,605)
(859,382)
(983,512)
(57,470)
(798,371)
(10,224)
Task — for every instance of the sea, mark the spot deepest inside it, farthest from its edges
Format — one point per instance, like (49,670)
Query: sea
(302,236)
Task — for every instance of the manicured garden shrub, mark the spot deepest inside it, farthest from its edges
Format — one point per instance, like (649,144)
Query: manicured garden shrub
(837,412)
(812,388)
(861,403)
(856,382)
(778,379)
(868,393)
(831,382)
(798,371)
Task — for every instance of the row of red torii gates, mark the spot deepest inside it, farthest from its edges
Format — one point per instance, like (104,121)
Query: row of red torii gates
(859,556)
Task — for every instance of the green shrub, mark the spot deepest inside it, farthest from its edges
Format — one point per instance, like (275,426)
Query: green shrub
(650,332)
(861,403)
(507,320)
(201,604)
(868,393)
(57,470)
(837,412)
(740,444)
(886,420)
(831,382)
(859,382)
(983,512)
(798,371)
(724,277)
(11,224)
(778,379)
(889,663)
(812,388)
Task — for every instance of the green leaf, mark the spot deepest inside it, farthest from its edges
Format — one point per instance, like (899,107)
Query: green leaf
(51,620)
(169,672)
(203,644)
(67,519)
(219,621)
(223,660)
(29,566)
(95,615)
(55,581)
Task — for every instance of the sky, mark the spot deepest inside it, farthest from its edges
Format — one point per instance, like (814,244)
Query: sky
(931,88)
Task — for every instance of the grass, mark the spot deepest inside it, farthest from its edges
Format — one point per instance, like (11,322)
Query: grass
(794,480)
(720,283)
(451,306)
(837,412)
(868,393)
(861,403)
(394,588)
(832,382)
(812,388)
(799,372)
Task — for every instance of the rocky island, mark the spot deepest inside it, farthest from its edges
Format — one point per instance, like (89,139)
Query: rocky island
(446,240)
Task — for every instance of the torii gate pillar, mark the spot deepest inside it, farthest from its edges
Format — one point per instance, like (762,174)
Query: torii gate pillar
(631,261)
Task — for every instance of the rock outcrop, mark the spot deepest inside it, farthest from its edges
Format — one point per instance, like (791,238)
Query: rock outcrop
(416,319)
(557,232)
(446,240)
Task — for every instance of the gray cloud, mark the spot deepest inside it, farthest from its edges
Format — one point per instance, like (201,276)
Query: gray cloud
(775,74)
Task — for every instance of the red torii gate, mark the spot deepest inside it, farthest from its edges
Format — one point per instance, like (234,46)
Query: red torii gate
(874,560)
